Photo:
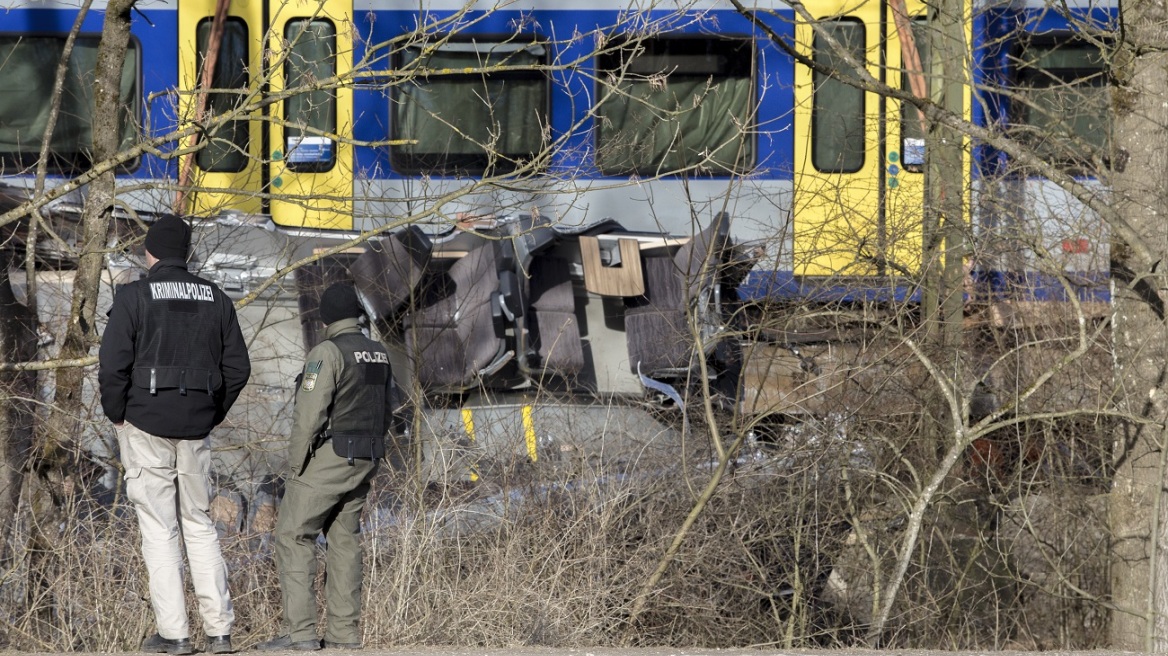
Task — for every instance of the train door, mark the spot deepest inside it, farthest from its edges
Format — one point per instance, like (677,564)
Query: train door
(287,158)
(226,173)
(859,159)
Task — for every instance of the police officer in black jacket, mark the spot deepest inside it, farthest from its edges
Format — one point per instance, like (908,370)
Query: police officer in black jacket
(343,414)
(172,362)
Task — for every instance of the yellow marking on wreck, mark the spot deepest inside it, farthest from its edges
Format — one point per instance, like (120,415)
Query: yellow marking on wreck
(469,427)
(529,433)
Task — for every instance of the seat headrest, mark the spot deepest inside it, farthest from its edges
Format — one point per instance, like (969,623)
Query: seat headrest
(388,271)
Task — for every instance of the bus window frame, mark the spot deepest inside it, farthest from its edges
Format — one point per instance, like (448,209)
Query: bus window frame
(1021,78)
(908,111)
(320,166)
(79,160)
(446,164)
(246,146)
(815,75)
(744,41)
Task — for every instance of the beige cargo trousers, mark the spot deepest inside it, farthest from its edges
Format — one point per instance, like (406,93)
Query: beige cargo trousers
(169,482)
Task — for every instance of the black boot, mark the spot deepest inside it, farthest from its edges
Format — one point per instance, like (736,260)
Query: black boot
(156,644)
(220,644)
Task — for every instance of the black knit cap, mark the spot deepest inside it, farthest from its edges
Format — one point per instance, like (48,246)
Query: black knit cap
(168,237)
(338,302)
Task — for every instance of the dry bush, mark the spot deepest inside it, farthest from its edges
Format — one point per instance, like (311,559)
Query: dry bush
(559,568)
(87,591)
(564,566)
(1012,555)
(1013,550)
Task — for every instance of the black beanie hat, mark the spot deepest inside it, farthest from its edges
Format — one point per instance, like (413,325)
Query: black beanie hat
(338,302)
(168,237)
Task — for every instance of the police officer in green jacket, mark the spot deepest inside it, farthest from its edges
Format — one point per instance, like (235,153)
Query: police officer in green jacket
(344,404)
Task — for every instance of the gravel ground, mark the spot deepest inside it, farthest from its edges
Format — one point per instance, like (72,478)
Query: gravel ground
(613,651)
(666,651)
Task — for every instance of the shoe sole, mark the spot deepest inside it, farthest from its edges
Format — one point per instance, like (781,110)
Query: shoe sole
(307,646)
(168,649)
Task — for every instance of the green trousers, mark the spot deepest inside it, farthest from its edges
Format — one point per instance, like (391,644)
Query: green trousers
(327,498)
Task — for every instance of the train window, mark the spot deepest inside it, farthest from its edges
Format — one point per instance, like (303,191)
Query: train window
(28,66)
(227,148)
(837,110)
(311,115)
(463,117)
(678,104)
(1063,113)
(912,126)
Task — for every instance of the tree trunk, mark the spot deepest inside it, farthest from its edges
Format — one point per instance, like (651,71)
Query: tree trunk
(81,331)
(1137,508)
(55,468)
(942,292)
(18,343)
(944,230)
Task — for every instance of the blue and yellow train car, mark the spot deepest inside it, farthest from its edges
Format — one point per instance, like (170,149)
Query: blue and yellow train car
(552,187)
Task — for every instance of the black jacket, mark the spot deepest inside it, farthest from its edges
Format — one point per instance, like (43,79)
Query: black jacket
(153,396)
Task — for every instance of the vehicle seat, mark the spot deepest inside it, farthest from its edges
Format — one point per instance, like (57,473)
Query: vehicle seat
(457,334)
(386,274)
(553,324)
(656,324)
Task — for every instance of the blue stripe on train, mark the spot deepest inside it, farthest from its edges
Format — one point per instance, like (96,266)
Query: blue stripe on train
(989,286)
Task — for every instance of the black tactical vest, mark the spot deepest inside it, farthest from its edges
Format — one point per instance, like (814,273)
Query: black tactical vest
(361,414)
(176,347)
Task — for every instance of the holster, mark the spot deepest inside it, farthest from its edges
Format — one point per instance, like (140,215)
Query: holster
(324,436)
(317,442)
